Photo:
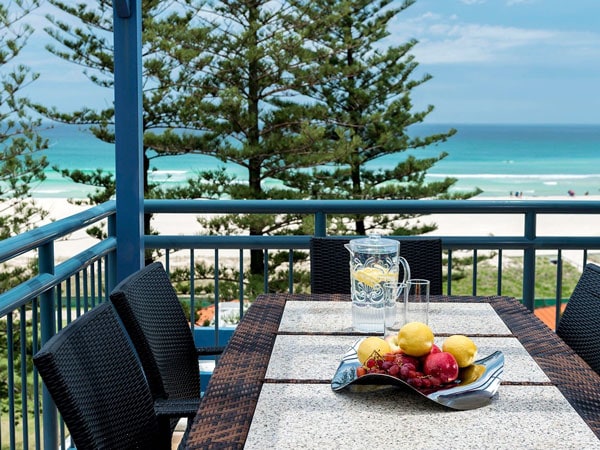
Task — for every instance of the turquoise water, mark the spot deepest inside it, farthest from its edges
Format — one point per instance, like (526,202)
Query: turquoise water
(538,160)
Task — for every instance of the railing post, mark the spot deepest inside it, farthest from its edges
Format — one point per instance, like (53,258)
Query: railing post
(529,261)
(559,274)
(129,165)
(48,327)
(111,266)
(320,224)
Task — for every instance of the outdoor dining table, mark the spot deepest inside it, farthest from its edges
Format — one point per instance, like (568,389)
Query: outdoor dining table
(272,387)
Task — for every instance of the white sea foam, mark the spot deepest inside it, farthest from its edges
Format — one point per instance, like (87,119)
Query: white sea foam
(172,172)
(173,176)
(561,157)
(515,176)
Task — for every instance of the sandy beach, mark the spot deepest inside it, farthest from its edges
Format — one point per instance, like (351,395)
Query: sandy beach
(448,224)
(513,224)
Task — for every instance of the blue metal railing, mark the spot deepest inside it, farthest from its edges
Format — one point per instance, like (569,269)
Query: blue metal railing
(60,291)
(528,241)
(39,302)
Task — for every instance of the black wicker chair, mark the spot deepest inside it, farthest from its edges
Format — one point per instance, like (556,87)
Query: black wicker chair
(330,263)
(96,381)
(579,325)
(152,315)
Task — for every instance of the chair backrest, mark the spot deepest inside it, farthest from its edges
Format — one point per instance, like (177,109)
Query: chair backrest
(579,325)
(330,263)
(97,383)
(154,319)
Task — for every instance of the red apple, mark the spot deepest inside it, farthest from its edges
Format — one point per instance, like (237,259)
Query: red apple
(441,365)
(393,341)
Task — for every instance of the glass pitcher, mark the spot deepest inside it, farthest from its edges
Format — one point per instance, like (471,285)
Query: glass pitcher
(373,262)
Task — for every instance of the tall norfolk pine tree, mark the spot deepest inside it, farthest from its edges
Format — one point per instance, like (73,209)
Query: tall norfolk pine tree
(166,72)
(21,164)
(313,66)
(366,92)
(303,92)
(260,64)
(86,40)
(344,82)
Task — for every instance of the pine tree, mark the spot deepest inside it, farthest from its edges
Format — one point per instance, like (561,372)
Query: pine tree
(366,88)
(21,163)
(303,96)
(168,65)
(258,70)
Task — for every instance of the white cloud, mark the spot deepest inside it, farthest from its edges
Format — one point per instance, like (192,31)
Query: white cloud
(508,2)
(449,41)
(517,2)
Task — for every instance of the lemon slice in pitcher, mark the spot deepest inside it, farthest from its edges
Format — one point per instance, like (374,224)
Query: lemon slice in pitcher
(372,276)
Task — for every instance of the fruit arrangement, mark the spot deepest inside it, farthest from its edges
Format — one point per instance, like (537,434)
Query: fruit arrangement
(413,357)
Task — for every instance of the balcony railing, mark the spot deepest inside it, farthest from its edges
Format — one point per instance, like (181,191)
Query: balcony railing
(59,291)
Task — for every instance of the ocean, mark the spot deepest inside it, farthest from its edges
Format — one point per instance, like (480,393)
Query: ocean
(535,160)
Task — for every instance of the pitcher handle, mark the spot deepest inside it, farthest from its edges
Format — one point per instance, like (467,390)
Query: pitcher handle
(406,267)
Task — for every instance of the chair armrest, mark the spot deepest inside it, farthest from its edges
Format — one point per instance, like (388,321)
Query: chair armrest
(207,351)
(175,408)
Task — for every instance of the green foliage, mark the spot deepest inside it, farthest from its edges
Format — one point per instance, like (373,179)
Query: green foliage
(260,62)
(305,97)
(461,264)
(89,44)
(21,164)
(364,89)
(512,278)
(229,279)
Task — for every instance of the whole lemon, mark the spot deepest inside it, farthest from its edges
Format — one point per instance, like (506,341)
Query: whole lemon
(370,345)
(462,348)
(415,339)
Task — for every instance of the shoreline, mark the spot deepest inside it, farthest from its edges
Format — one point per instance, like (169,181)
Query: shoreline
(447,224)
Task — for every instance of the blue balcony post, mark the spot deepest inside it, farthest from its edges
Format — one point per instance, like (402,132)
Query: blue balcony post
(111,265)
(48,327)
(529,261)
(320,224)
(128,136)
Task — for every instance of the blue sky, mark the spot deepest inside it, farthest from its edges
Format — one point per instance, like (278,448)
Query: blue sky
(492,61)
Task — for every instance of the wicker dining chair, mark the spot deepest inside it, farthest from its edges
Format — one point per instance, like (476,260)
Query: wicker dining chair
(154,319)
(95,379)
(579,325)
(330,263)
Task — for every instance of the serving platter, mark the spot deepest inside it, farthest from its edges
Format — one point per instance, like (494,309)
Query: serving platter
(465,393)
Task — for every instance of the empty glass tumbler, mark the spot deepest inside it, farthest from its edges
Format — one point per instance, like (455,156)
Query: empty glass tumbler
(394,308)
(416,301)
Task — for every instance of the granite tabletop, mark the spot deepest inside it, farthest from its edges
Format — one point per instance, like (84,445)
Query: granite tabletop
(298,409)
(271,388)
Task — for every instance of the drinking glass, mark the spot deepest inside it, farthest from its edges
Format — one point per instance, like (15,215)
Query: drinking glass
(394,308)
(416,301)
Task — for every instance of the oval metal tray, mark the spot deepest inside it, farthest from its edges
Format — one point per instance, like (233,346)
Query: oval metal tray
(463,394)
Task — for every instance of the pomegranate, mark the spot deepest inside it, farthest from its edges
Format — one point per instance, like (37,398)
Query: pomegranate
(441,365)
